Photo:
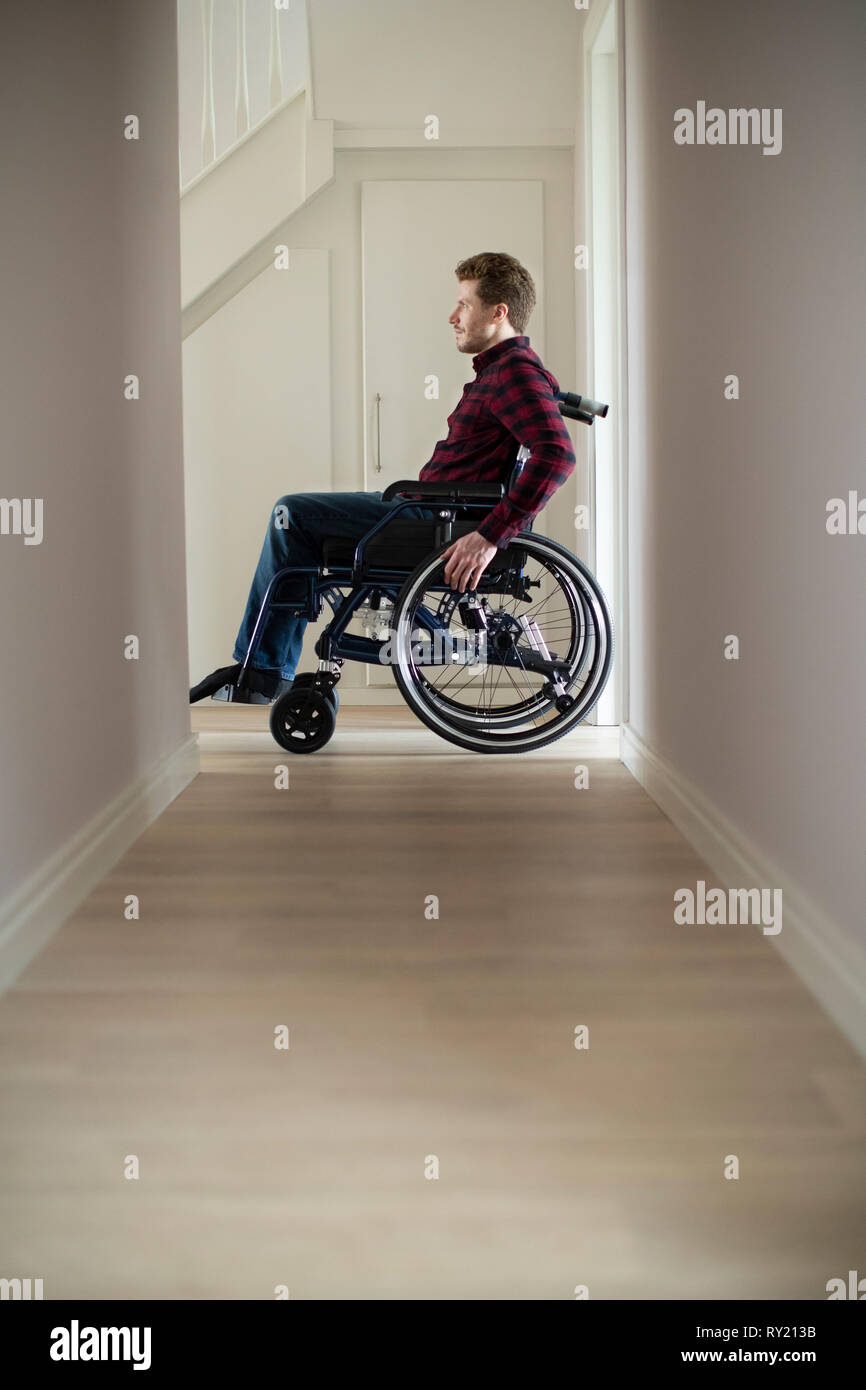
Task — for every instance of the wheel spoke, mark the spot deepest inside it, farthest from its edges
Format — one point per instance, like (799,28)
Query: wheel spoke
(505,703)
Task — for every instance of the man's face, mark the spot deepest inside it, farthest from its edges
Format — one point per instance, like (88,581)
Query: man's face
(474,323)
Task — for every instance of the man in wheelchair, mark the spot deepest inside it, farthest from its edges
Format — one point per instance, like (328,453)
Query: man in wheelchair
(511,402)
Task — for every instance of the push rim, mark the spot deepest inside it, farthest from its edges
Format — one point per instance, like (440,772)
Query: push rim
(575,629)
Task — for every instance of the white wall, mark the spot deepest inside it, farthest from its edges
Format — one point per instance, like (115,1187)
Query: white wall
(751,264)
(485,65)
(257,423)
(90,292)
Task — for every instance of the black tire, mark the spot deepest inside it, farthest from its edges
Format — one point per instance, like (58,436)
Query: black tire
(303,720)
(415,688)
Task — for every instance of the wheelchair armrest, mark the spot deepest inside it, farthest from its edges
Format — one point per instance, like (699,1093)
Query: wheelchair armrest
(445,491)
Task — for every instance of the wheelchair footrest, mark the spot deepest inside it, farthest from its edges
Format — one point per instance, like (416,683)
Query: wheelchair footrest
(232,694)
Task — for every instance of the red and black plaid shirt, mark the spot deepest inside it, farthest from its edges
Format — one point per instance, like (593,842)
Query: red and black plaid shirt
(510,402)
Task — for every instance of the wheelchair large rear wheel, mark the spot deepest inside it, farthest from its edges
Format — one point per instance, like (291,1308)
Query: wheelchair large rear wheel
(513,666)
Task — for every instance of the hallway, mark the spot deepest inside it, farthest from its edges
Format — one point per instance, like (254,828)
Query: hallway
(413,1036)
(396,1020)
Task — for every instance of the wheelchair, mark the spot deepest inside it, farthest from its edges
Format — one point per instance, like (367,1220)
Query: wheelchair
(507,667)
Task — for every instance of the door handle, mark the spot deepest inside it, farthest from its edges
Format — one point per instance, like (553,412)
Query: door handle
(378,433)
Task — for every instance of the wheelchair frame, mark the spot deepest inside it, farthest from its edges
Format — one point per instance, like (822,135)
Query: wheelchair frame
(335,644)
(448,500)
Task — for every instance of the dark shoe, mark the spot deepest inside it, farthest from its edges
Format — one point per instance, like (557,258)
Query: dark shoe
(226,675)
(260,687)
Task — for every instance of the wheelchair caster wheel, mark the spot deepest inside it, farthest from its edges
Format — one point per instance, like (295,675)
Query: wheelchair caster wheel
(306,678)
(564,703)
(302,720)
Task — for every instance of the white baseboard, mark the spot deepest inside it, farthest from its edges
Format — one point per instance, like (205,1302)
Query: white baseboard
(30,916)
(830,963)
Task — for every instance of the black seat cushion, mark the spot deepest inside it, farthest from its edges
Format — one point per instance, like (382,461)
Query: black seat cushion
(399,545)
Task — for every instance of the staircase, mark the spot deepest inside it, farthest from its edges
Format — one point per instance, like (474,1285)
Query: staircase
(251,177)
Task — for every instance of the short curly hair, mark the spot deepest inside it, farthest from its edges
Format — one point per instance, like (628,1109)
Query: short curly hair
(501,280)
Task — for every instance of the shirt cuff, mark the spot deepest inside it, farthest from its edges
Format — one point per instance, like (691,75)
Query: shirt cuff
(498,529)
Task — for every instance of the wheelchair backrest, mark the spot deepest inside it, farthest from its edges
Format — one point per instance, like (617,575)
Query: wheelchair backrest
(517,467)
(576,408)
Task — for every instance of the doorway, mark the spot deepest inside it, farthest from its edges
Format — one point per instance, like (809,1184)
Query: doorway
(604,127)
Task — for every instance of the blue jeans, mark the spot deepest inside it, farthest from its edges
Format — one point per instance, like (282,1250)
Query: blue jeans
(294,537)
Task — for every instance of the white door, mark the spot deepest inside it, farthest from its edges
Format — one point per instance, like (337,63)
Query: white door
(414,234)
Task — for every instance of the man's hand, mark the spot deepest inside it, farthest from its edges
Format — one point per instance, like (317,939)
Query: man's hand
(469,558)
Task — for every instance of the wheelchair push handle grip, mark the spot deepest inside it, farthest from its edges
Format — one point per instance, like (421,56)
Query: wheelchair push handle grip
(570,402)
(574,414)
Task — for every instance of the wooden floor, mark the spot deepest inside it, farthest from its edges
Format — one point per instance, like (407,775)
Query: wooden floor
(412,1037)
